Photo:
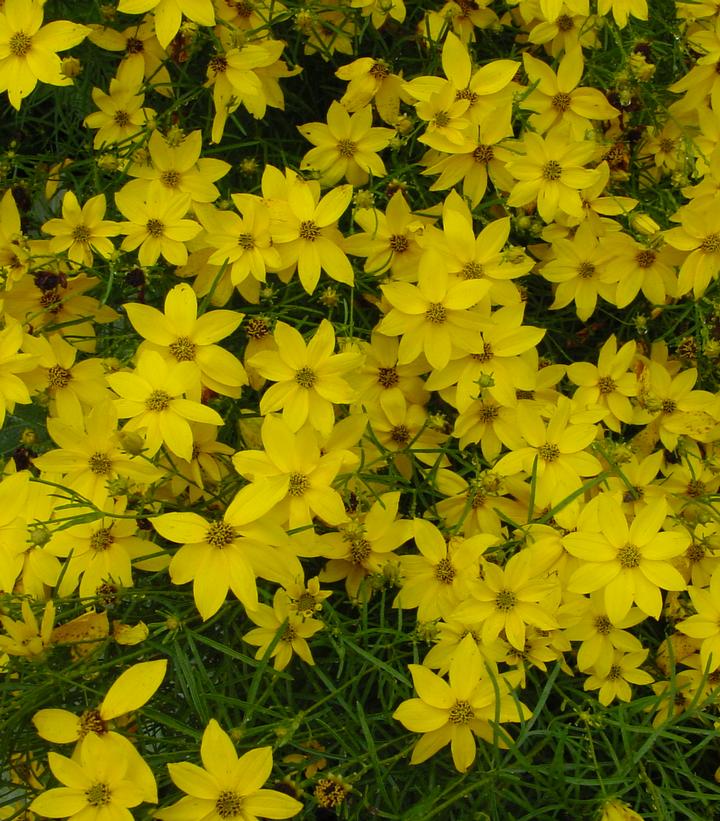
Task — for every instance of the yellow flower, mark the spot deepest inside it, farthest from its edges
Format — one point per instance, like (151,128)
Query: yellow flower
(226,554)
(433,317)
(82,231)
(371,79)
(439,578)
(152,400)
(309,378)
(699,237)
(12,362)
(616,810)
(557,100)
(227,786)
(705,624)
(306,234)
(180,335)
(122,119)
(290,477)
(646,268)
(551,173)
(28,50)
(293,629)
(345,147)
(98,786)
(177,167)
(168,14)
(457,711)
(615,682)
(27,638)
(631,564)
(622,9)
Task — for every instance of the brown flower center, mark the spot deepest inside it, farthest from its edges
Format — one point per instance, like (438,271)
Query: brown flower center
(298,484)
(305,377)
(228,804)
(155,227)
(100,464)
(548,452)
(158,401)
(58,377)
(629,556)
(170,179)
(346,148)
(183,349)
(461,713)
(444,571)
(388,377)
(20,44)
(436,313)
(505,600)
(309,230)
(561,101)
(98,795)
(399,243)
(552,171)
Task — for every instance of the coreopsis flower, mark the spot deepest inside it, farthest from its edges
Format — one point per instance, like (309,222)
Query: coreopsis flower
(509,599)
(294,630)
(234,77)
(556,99)
(28,50)
(82,230)
(309,379)
(139,44)
(97,786)
(27,638)
(563,32)
(168,14)
(290,477)
(551,173)
(490,424)
(90,455)
(70,386)
(15,251)
(616,810)
(433,317)
(455,711)
(156,225)
(439,578)
(609,384)
(102,550)
(630,563)
(704,625)
(640,267)
(370,79)
(226,554)
(306,235)
(622,9)
(615,682)
(91,730)
(555,454)
(177,167)
(12,362)
(346,147)
(581,270)
(389,240)
(241,242)
(13,527)
(180,335)
(446,118)
(152,400)
(366,544)
(699,237)
(121,118)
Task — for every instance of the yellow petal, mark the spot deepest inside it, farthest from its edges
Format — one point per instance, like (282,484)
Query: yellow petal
(133,688)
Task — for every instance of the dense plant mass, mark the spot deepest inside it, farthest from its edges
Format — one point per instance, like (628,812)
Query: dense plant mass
(360,409)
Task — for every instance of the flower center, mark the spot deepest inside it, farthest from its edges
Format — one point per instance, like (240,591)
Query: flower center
(486,413)
(158,401)
(20,44)
(565,22)
(629,556)
(561,101)
(695,488)
(552,171)
(121,118)
(92,722)
(100,463)
(380,70)
(695,553)
(667,146)
(444,571)
(473,270)
(228,804)
(586,270)
(461,713)
(668,406)
(246,241)
(400,434)
(220,534)
(298,484)
(359,550)
(548,452)
(134,46)
(486,355)
(711,244)
(615,672)
(81,233)
(606,384)
(483,154)
(466,94)
(183,349)
(478,500)
(170,179)
(305,377)
(309,230)
(442,119)
(603,625)
(154,227)
(98,795)
(388,377)
(218,64)
(399,243)
(256,328)
(505,600)
(645,258)
(436,313)
(346,148)
(101,540)
(58,377)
